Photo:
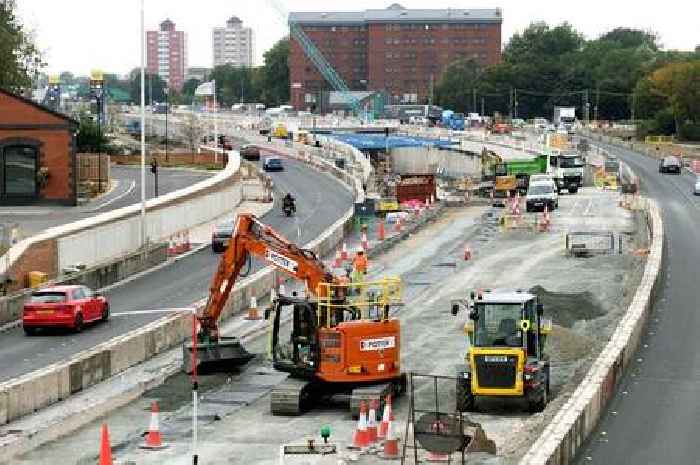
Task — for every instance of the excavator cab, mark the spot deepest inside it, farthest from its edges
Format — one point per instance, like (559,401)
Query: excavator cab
(294,348)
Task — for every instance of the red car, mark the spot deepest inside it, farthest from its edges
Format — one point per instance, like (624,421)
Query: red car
(63,306)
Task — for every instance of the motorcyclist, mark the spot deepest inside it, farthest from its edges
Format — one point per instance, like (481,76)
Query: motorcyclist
(288,201)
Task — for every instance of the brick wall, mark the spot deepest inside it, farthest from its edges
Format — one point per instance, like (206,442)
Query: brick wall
(397,58)
(42,256)
(25,123)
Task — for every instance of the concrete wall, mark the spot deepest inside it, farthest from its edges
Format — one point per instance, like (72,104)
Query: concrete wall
(33,391)
(117,233)
(430,160)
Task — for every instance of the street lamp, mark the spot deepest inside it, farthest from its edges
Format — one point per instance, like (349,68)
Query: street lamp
(167,110)
(143,130)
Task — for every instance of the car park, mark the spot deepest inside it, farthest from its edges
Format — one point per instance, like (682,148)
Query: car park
(63,307)
(250,152)
(273,164)
(670,165)
(221,236)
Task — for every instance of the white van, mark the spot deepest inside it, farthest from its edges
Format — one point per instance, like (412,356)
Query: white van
(541,194)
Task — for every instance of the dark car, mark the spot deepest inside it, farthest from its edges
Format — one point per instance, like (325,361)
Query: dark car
(670,165)
(221,236)
(250,152)
(273,164)
(63,306)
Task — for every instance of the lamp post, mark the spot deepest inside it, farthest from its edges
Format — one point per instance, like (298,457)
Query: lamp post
(143,130)
(167,110)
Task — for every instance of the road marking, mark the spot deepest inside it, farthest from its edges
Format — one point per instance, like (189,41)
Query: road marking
(154,311)
(132,186)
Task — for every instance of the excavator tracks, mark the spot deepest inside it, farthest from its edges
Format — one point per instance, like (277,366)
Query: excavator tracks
(290,397)
(376,392)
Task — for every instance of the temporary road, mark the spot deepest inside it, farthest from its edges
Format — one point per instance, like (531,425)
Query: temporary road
(654,416)
(321,200)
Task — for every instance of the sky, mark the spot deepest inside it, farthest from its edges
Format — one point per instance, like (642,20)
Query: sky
(81,35)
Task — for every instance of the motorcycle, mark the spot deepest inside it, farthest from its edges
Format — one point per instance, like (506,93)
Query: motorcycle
(289,209)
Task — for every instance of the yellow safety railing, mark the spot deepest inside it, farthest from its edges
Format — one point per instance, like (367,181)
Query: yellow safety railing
(358,297)
(658,139)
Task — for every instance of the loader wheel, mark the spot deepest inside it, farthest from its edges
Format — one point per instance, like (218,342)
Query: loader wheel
(573,190)
(541,402)
(465,399)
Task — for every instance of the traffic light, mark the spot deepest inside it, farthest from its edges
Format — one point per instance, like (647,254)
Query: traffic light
(154,166)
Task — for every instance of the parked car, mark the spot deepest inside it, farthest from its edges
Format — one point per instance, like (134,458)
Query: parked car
(221,236)
(63,306)
(273,164)
(250,152)
(670,165)
(697,186)
(541,194)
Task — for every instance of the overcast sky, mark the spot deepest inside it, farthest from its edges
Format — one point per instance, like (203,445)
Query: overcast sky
(80,35)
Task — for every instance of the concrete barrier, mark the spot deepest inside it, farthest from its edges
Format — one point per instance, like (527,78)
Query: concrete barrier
(98,239)
(562,438)
(33,391)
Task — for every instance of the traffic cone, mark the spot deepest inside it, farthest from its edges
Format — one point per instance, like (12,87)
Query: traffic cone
(391,443)
(467,253)
(427,201)
(338,262)
(386,418)
(253,313)
(372,421)
(397,225)
(344,252)
(105,448)
(432,199)
(172,251)
(365,242)
(188,246)
(380,230)
(360,438)
(154,440)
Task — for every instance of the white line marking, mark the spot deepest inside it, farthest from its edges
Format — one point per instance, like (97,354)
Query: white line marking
(132,186)
(154,311)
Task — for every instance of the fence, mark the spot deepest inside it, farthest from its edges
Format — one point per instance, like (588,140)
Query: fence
(93,167)
(205,158)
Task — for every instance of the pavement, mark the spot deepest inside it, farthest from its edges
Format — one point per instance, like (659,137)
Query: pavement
(235,424)
(126,191)
(320,202)
(655,416)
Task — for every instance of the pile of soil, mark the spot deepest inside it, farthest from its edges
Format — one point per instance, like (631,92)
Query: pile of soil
(566,309)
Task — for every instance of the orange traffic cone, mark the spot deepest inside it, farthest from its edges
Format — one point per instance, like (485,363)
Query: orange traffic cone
(105,448)
(386,418)
(253,313)
(153,438)
(360,438)
(172,251)
(380,231)
(391,444)
(397,225)
(344,252)
(372,421)
(187,246)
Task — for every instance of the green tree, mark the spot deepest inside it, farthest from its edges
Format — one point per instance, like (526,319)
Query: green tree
(90,138)
(20,60)
(457,86)
(154,88)
(274,78)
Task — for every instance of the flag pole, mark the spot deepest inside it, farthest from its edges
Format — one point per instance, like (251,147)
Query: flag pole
(216,125)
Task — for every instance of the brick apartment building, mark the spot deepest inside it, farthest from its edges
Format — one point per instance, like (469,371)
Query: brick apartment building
(166,54)
(397,50)
(37,154)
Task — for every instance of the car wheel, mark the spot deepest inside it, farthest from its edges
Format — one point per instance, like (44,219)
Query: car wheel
(29,330)
(105,313)
(78,324)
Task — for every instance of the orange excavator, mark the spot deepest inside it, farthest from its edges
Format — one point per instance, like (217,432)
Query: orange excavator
(341,340)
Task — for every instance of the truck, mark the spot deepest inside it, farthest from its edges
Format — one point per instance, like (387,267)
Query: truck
(452,120)
(565,117)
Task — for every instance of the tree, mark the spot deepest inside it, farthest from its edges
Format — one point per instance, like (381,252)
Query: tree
(154,88)
(20,60)
(631,38)
(91,138)
(192,132)
(458,84)
(274,78)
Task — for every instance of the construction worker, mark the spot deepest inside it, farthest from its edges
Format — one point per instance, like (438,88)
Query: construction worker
(359,263)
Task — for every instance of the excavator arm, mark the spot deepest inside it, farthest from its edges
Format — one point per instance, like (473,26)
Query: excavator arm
(252,238)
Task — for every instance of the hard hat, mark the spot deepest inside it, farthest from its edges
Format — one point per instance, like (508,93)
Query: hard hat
(360,250)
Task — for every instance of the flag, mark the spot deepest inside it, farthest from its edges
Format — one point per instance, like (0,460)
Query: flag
(206,89)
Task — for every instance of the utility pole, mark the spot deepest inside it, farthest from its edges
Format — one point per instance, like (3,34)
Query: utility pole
(143,131)
(167,110)
(597,102)
(482,107)
(586,106)
(510,104)
(474,99)
(515,102)
(430,101)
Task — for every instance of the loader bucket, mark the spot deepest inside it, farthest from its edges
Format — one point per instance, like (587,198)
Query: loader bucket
(223,356)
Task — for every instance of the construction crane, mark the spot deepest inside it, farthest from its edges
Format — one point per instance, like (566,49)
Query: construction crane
(342,339)
(322,65)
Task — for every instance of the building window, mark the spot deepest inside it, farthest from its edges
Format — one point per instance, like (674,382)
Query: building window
(18,166)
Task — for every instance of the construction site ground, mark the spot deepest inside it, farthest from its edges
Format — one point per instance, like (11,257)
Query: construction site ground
(584,296)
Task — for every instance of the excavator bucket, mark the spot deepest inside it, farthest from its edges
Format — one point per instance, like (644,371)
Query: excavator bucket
(225,355)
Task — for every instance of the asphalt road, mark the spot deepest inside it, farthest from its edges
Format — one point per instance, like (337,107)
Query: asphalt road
(33,220)
(654,417)
(320,202)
